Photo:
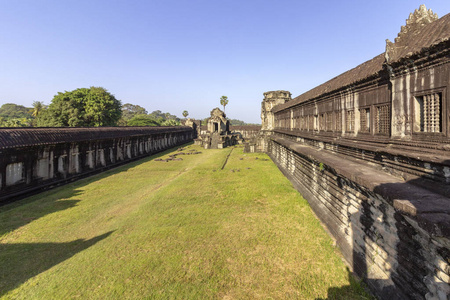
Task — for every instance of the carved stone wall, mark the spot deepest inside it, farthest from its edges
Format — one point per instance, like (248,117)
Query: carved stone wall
(370,151)
(401,250)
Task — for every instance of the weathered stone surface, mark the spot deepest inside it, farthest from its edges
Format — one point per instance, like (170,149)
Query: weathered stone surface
(217,135)
(393,252)
(369,151)
(271,99)
(410,39)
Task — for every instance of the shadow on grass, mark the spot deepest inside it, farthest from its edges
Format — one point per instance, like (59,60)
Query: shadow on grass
(12,219)
(20,262)
(19,213)
(353,291)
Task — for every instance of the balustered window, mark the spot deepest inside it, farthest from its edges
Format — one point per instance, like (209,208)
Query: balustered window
(383,119)
(350,121)
(428,113)
(364,119)
(322,119)
(329,121)
(311,122)
(338,121)
(297,119)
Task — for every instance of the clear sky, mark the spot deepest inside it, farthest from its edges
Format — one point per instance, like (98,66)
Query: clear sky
(175,55)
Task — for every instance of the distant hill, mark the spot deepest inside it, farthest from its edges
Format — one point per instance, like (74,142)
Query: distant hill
(14,111)
(13,115)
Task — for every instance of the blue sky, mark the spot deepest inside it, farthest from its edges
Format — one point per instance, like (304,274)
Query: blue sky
(184,55)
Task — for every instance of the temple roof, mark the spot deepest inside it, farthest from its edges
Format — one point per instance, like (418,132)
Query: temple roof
(22,137)
(422,30)
(359,73)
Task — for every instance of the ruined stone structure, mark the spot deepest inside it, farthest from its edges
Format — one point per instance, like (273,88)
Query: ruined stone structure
(217,134)
(370,151)
(272,99)
(258,142)
(37,158)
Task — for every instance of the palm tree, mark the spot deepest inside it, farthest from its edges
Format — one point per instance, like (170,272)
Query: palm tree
(38,106)
(224,102)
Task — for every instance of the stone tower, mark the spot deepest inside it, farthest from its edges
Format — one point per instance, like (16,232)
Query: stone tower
(272,99)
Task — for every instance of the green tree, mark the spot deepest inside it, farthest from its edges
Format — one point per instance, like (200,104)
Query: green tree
(38,106)
(142,120)
(84,107)
(170,123)
(130,110)
(160,116)
(224,102)
(15,122)
(14,111)
(236,122)
(185,113)
(13,115)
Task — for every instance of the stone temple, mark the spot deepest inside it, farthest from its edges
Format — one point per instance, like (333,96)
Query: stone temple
(217,135)
(369,150)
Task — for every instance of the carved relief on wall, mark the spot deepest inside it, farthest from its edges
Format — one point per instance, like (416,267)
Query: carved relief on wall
(400,122)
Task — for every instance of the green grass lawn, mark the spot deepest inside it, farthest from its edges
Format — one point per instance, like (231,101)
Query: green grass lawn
(172,230)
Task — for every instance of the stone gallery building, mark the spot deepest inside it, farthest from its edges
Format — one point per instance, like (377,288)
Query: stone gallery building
(370,151)
(32,159)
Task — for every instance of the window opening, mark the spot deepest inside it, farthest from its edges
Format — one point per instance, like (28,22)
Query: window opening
(428,113)
(364,119)
(350,121)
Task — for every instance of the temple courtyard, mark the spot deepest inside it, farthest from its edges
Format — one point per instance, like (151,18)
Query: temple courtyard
(184,224)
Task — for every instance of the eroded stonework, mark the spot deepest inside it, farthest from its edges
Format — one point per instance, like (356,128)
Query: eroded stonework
(217,135)
(272,99)
(259,142)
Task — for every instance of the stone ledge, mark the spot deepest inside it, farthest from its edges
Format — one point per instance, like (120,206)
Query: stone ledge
(431,210)
(384,145)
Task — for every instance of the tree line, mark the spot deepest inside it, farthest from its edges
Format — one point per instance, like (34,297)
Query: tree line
(88,107)
(83,107)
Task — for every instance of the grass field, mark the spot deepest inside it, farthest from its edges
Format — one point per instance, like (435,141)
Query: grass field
(172,230)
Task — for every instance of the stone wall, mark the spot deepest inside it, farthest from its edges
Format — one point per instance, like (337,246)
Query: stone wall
(370,151)
(246,131)
(33,159)
(394,233)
